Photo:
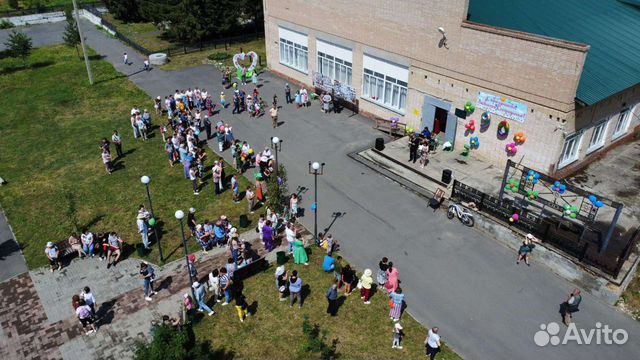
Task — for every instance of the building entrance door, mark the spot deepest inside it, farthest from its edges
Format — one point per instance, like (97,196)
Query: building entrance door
(437,116)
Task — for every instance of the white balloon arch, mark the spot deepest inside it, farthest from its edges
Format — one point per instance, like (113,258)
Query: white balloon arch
(240,57)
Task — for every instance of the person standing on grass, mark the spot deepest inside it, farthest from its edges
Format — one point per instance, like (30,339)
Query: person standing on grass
(365,282)
(299,251)
(397,336)
(251,199)
(241,304)
(193,176)
(143,228)
(290,232)
(225,285)
(328,264)
(295,289)
(214,284)
(216,173)
(348,276)
(106,160)
(148,276)
(274,116)
(115,248)
(281,282)
(397,300)
(52,254)
(235,186)
(200,298)
(392,278)
(337,271)
(170,150)
(83,312)
(382,276)
(332,299)
(432,343)
(117,141)
(192,222)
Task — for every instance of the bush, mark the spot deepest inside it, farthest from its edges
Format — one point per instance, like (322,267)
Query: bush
(315,341)
(6,24)
(218,56)
(169,343)
(277,190)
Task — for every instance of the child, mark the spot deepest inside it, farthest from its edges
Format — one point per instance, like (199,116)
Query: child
(397,336)
(223,102)
(187,302)
(89,299)
(214,284)
(236,189)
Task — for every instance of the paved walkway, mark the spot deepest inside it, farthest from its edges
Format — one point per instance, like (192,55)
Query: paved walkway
(454,277)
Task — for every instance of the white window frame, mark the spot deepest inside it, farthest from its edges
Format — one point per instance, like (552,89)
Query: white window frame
(297,56)
(329,65)
(382,86)
(564,161)
(599,133)
(622,124)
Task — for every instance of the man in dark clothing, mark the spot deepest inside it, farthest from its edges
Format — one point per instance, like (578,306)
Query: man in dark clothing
(236,104)
(570,306)
(287,94)
(413,148)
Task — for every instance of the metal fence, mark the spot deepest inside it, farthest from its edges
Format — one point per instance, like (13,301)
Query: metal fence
(213,44)
(577,240)
(45,9)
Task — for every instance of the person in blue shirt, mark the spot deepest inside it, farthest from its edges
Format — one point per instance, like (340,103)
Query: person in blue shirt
(328,263)
(426,133)
(218,232)
(200,298)
(295,288)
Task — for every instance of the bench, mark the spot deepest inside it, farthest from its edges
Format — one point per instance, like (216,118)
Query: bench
(253,268)
(397,128)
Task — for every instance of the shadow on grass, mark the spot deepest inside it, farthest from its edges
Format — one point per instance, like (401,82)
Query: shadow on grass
(253,308)
(13,69)
(96,57)
(118,76)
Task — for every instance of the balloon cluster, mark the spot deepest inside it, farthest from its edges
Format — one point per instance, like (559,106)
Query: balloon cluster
(409,131)
(533,177)
(572,211)
(513,185)
(152,221)
(532,194)
(394,122)
(485,121)
(559,187)
(595,202)
(314,207)
(257,176)
(520,138)
(465,152)
(474,142)
(280,181)
(511,148)
(503,129)
(471,125)
(514,218)
(469,108)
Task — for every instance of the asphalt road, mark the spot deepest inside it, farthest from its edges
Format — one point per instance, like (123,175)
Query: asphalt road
(453,276)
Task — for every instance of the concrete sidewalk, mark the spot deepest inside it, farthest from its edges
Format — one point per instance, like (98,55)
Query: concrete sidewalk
(453,277)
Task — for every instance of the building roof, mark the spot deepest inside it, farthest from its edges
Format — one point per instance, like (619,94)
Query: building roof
(610,27)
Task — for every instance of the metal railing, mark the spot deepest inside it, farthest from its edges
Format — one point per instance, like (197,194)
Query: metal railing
(45,9)
(213,44)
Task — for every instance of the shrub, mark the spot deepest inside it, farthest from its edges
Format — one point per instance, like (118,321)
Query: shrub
(169,343)
(218,56)
(315,341)
(277,190)
(6,24)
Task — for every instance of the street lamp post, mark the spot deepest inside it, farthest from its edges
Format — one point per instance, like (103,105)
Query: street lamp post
(180,216)
(315,169)
(146,180)
(276,145)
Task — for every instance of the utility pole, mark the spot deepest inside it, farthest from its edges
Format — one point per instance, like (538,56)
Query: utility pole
(84,49)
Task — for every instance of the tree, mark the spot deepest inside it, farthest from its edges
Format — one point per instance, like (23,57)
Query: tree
(14,4)
(125,10)
(252,10)
(19,45)
(195,21)
(71,34)
(39,5)
(277,190)
(169,343)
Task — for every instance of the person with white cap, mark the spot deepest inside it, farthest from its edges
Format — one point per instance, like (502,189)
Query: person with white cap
(524,252)
(200,298)
(365,286)
(52,254)
(143,228)
(397,336)
(281,282)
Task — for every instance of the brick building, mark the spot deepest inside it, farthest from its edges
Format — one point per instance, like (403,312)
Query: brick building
(571,84)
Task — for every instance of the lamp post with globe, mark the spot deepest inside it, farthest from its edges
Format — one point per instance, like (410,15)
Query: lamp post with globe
(315,169)
(276,145)
(180,216)
(146,180)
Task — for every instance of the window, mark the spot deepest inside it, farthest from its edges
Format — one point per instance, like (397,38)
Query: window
(597,136)
(294,55)
(570,150)
(622,124)
(334,68)
(386,85)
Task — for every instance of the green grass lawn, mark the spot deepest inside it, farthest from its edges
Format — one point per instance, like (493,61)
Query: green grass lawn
(275,331)
(183,61)
(145,34)
(51,125)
